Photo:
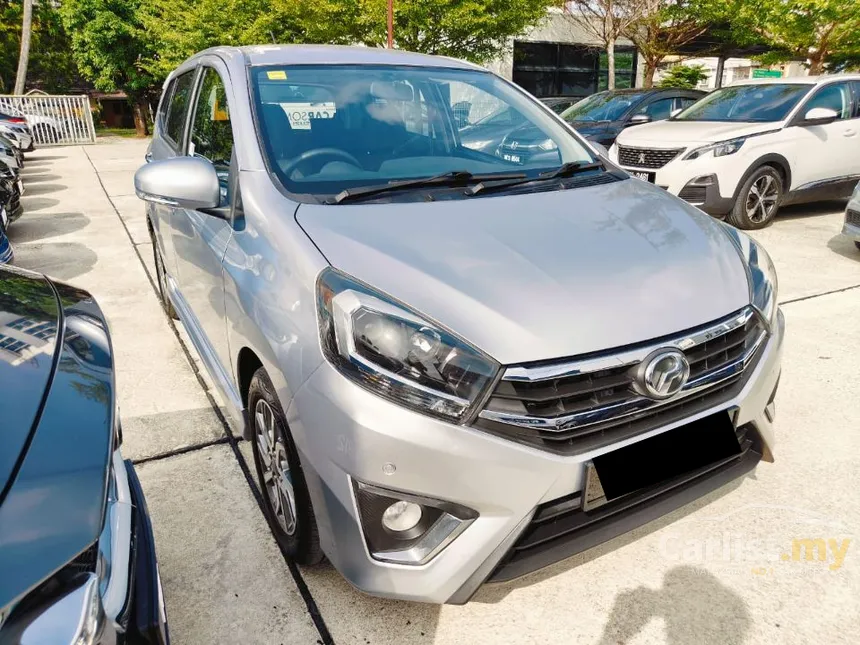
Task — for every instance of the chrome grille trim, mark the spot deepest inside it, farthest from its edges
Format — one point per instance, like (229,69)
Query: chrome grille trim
(635,403)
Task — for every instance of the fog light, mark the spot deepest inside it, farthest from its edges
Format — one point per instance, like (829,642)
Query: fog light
(702,180)
(401,516)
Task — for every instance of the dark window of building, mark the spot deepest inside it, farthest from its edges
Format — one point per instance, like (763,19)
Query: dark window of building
(561,69)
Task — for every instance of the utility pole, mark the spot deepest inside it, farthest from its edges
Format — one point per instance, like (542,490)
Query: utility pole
(24,58)
(390,24)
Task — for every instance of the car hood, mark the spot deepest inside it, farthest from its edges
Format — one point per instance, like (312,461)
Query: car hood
(543,275)
(661,134)
(56,428)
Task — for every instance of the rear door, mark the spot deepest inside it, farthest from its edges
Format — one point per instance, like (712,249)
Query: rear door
(201,238)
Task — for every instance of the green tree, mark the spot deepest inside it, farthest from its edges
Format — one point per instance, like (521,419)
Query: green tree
(108,43)
(818,31)
(683,76)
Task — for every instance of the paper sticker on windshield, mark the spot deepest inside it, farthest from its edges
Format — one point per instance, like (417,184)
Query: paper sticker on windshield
(277,75)
(301,114)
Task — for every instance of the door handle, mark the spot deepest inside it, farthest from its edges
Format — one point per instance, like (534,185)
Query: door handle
(849,132)
(147,157)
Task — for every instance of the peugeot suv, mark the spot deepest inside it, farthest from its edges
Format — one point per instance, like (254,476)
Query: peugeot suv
(745,150)
(452,368)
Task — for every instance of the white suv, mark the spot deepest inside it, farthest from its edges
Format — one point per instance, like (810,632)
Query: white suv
(747,149)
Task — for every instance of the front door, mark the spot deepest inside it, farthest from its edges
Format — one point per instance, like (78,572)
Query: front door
(200,239)
(829,151)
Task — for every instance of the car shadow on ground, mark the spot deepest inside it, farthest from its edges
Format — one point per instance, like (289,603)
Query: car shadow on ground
(46,226)
(844,246)
(802,211)
(37,203)
(693,604)
(43,189)
(60,260)
(35,177)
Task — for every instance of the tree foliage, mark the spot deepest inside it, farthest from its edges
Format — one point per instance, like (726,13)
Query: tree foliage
(683,76)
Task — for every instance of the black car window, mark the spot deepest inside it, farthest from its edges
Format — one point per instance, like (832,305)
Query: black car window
(211,134)
(836,96)
(684,102)
(856,86)
(657,110)
(179,106)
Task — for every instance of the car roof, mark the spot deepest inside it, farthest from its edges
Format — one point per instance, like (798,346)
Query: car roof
(335,55)
(800,80)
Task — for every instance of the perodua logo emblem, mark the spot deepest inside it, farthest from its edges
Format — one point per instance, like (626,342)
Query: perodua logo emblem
(663,373)
(642,158)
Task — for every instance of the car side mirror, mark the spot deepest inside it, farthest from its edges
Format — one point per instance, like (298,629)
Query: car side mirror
(638,119)
(820,116)
(181,182)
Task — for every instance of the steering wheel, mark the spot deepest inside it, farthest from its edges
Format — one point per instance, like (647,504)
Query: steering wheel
(306,156)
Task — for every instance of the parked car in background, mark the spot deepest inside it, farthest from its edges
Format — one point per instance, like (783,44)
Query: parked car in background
(745,150)
(10,154)
(10,198)
(451,367)
(602,116)
(76,546)
(6,252)
(18,126)
(852,218)
(559,104)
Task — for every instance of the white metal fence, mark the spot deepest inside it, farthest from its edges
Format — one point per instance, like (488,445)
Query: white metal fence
(54,120)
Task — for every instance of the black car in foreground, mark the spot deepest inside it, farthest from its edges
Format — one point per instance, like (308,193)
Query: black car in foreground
(77,554)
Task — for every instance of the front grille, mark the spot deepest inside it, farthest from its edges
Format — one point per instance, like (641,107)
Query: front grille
(572,406)
(560,528)
(694,194)
(646,157)
(852,217)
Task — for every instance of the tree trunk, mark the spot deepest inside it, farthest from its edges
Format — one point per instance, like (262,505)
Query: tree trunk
(610,57)
(648,76)
(141,123)
(816,63)
(24,58)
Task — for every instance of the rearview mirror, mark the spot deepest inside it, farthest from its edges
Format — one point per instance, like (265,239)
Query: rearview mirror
(183,182)
(820,116)
(639,119)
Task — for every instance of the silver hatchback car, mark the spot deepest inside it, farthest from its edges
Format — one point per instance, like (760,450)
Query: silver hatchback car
(456,364)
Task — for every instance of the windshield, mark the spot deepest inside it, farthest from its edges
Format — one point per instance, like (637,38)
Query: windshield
(605,106)
(329,128)
(747,103)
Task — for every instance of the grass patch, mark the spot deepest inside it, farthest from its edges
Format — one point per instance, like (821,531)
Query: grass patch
(116,132)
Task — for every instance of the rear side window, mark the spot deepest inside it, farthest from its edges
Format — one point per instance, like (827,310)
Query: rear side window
(179,106)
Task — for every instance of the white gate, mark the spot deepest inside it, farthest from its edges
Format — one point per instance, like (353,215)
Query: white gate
(54,120)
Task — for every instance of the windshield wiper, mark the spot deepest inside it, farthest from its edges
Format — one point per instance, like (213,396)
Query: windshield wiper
(452,178)
(568,169)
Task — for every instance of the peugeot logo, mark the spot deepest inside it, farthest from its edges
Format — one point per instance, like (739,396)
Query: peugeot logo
(515,145)
(642,158)
(663,373)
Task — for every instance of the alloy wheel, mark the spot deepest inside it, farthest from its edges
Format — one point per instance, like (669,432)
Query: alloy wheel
(277,478)
(762,199)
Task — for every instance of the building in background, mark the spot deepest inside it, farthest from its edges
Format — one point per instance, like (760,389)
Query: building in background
(735,69)
(558,58)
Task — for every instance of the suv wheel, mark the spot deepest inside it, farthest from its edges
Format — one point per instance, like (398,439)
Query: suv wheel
(285,494)
(758,200)
(857,244)
(161,276)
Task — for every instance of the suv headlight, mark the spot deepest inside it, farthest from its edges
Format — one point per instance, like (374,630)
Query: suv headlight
(719,149)
(761,273)
(394,352)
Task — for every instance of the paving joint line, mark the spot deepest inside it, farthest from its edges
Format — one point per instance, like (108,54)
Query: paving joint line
(819,295)
(181,451)
(304,591)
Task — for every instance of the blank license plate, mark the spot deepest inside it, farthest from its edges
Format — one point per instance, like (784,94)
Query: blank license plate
(665,456)
(644,176)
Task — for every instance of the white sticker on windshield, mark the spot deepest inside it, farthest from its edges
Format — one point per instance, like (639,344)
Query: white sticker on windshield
(301,114)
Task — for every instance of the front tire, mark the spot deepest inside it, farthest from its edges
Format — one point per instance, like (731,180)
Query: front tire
(286,500)
(857,244)
(758,200)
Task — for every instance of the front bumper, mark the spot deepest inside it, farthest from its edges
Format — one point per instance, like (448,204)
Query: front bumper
(852,231)
(345,433)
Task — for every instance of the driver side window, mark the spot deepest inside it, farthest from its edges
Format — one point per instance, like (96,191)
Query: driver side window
(211,134)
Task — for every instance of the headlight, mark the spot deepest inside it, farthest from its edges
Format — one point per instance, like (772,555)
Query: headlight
(760,272)
(75,619)
(719,149)
(395,353)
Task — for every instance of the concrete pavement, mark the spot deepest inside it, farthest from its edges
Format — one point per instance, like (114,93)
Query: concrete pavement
(713,572)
